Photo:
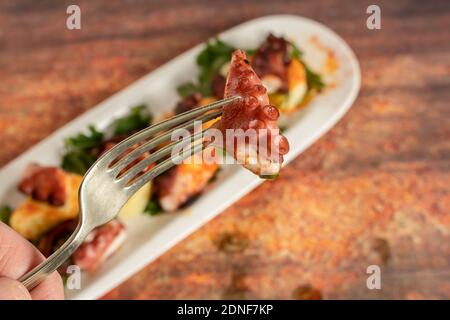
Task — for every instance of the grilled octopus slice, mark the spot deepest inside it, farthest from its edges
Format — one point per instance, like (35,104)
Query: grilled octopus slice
(272,60)
(99,245)
(187,180)
(252,111)
(44,184)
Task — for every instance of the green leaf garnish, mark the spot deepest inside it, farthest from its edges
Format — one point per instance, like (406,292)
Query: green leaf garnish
(250,52)
(295,52)
(85,141)
(210,60)
(187,89)
(153,208)
(81,151)
(5,214)
(269,176)
(79,161)
(314,80)
(138,119)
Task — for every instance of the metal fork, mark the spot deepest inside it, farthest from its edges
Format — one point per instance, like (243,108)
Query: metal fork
(113,179)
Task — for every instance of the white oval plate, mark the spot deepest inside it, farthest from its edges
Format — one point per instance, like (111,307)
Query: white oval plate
(149,237)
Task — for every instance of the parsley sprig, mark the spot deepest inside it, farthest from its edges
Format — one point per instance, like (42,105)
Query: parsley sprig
(210,60)
(137,119)
(153,208)
(5,214)
(83,149)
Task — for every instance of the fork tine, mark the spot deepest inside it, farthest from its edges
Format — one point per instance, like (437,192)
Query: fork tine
(151,144)
(166,150)
(162,126)
(160,168)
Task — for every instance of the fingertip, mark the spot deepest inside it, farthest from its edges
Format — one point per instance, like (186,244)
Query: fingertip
(13,290)
(52,288)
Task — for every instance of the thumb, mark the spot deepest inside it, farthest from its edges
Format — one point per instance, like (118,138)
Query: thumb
(13,290)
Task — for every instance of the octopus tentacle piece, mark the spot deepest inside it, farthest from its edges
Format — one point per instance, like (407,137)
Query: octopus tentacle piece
(253,114)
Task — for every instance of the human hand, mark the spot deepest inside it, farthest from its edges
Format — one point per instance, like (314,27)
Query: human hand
(17,257)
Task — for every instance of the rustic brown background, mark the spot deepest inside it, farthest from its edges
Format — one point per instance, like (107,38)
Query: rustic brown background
(375,189)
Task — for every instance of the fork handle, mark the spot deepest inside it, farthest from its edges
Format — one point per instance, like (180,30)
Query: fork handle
(34,277)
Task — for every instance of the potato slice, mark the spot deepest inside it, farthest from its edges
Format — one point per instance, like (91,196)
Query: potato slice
(34,218)
(137,203)
(297,86)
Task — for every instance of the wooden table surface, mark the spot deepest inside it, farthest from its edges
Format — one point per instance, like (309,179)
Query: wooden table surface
(373,190)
